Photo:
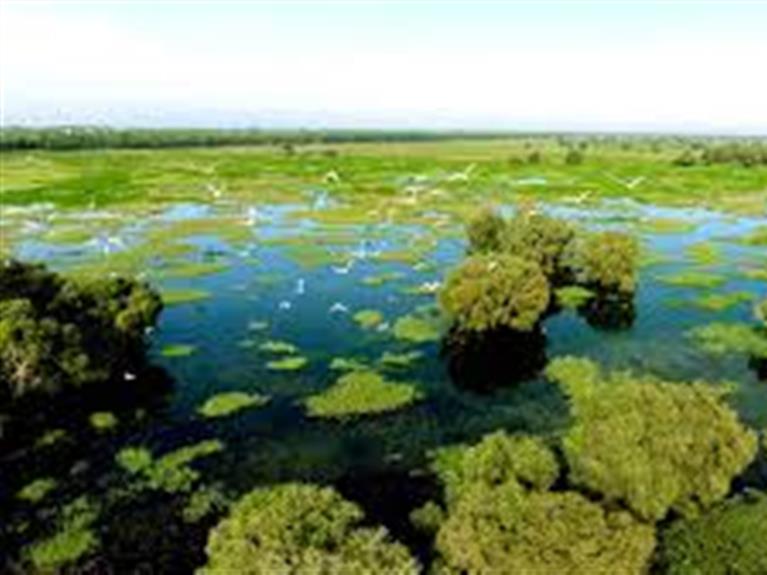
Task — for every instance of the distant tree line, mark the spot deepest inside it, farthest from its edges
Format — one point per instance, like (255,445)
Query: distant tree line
(743,153)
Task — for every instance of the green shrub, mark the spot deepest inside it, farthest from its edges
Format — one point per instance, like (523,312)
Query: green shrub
(607,262)
(728,540)
(57,333)
(296,528)
(506,529)
(485,231)
(542,239)
(761,312)
(723,338)
(653,445)
(488,292)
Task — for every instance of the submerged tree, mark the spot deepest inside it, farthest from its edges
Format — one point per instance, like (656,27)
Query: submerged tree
(606,263)
(494,291)
(295,528)
(485,231)
(652,445)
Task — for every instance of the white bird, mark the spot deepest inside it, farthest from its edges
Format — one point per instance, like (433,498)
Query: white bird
(300,286)
(331,177)
(338,307)
(213,190)
(429,287)
(128,376)
(285,305)
(345,269)
(462,176)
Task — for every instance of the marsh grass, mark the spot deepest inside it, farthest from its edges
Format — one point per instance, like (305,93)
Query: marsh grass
(693,279)
(229,402)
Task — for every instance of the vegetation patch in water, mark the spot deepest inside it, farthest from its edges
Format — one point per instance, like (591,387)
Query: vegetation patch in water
(368,318)
(400,360)
(301,528)
(721,301)
(103,420)
(381,279)
(182,296)
(666,226)
(757,237)
(360,393)
(278,347)
(347,364)
(722,338)
(230,402)
(36,490)
(178,350)
(416,329)
(292,363)
(693,279)
(573,297)
(189,270)
(704,254)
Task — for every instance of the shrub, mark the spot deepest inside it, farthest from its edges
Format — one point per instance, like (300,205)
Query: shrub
(541,239)
(297,528)
(606,262)
(761,312)
(57,333)
(505,529)
(488,292)
(574,157)
(653,445)
(728,540)
(485,231)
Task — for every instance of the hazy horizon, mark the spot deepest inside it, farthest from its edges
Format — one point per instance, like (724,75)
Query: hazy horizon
(512,67)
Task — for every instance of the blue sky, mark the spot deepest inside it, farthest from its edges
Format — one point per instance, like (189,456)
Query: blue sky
(674,66)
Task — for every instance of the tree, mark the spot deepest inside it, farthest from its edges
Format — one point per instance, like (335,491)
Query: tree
(495,291)
(606,263)
(485,231)
(652,445)
(299,528)
(541,239)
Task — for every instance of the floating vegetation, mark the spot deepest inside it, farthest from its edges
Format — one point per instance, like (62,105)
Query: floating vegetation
(704,254)
(181,296)
(171,472)
(759,274)
(693,279)
(255,325)
(360,393)
(309,255)
(723,338)
(203,502)
(347,364)
(278,347)
(381,279)
(103,420)
(230,402)
(368,318)
(400,360)
(416,329)
(36,490)
(573,297)
(721,301)
(178,350)
(665,226)
(189,270)
(293,363)
(50,437)
(757,237)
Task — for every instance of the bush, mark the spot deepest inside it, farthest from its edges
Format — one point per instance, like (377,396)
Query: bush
(485,231)
(652,445)
(541,239)
(57,333)
(297,528)
(574,157)
(761,312)
(728,540)
(488,292)
(606,263)
(508,530)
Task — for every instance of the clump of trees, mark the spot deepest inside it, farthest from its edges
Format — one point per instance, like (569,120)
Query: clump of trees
(746,153)
(58,333)
(299,528)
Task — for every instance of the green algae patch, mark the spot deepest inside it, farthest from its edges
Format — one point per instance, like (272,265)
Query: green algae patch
(757,237)
(662,226)
(257,325)
(361,393)
(181,296)
(573,297)
(292,363)
(723,338)
(400,360)
(693,279)
(230,402)
(377,280)
(187,270)
(278,347)
(37,490)
(704,254)
(310,256)
(347,364)
(178,350)
(103,420)
(721,301)
(415,329)
(368,318)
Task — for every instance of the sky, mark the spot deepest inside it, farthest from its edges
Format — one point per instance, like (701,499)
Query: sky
(560,66)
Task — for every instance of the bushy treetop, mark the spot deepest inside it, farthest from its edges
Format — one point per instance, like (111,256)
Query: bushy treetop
(607,262)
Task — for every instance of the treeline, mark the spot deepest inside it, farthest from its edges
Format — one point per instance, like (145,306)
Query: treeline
(743,153)
(87,137)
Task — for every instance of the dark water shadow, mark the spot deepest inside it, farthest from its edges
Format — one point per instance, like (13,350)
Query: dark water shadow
(609,313)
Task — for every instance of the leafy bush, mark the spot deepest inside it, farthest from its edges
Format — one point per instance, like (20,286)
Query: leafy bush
(485,231)
(606,262)
(761,312)
(542,239)
(297,528)
(505,529)
(721,338)
(57,333)
(653,445)
(488,292)
(728,540)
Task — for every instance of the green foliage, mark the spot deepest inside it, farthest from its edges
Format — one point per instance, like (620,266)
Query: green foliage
(721,301)
(756,237)
(182,296)
(497,459)
(573,297)
(607,262)
(57,333)
(760,311)
(203,502)
(292,363)
(400,360)
(361,392)
(103,420)
(416,329)
(653,445)
(694,279)
(704,253)
(178,350)
(368,318)
(73,539)
(171,472)
(229,402)
(485,231)
(37,490)
(273,346)
(347,364)
(505,529)
(728,540)
(488,292)
(542,239)
(723,338)
(295,528)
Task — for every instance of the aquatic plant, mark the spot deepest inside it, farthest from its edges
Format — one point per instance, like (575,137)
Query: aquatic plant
(292,363)
(691,445)
(485,231)
(229,402)
(704,253)
(507,529)
(103,420)
(721,301)
(360,393)
(573,297)
(756,237)
(35,491)
(56,333)
(303,529)
(203,502)
(415,329)
(606,262)
(368,318)
(488,292)
(721,338)
(693,279)
(181,296)
(274,346)
(400,360)
(347,364)
(178,350)
(727,540)
(760,311)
